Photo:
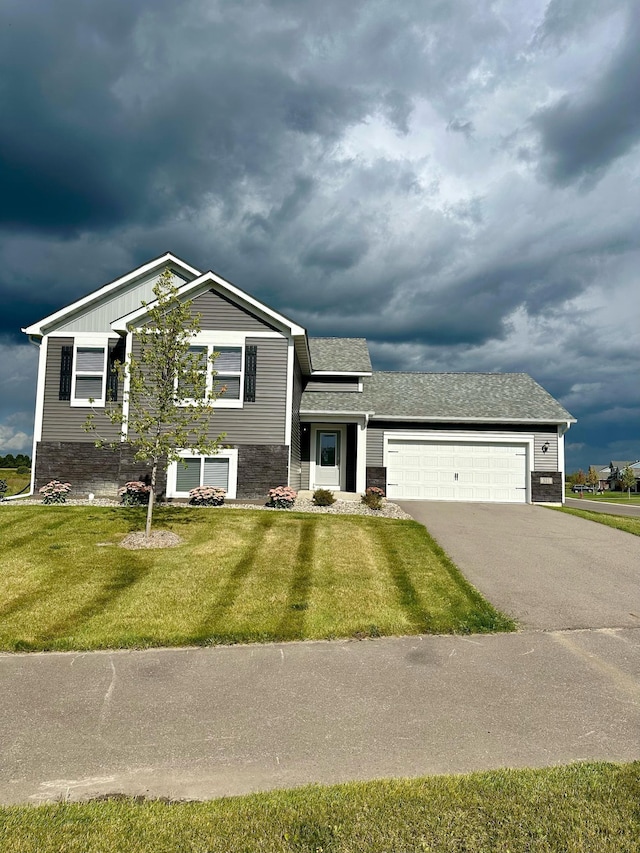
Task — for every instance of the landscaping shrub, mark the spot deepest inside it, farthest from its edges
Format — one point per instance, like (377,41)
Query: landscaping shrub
(135,493)
(323,497)
(373,497)
(207,496)
(23,471)
(282,497)
(55,492)
(4,486)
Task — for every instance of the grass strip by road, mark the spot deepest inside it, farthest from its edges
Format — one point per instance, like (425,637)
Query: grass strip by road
(628,523)
(608,497)
(239,576)
(578,808)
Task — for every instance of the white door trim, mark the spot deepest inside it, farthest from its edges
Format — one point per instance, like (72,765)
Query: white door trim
(478,437)
(328,427)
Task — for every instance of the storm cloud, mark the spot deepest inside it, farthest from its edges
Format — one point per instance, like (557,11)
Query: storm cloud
(453,181)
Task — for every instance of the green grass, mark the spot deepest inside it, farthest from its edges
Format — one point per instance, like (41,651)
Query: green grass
(15,482)
(582,808)
(606,497)
(628,523)
(240,576)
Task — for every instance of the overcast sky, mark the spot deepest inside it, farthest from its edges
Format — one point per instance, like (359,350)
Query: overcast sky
(456,180)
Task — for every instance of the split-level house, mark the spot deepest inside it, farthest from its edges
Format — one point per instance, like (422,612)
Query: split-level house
(297,410)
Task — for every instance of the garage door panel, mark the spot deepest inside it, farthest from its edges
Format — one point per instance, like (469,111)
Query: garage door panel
(485,472)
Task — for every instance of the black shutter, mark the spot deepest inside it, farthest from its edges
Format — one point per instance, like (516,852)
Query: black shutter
(250,358)
(116,353)
(66,367)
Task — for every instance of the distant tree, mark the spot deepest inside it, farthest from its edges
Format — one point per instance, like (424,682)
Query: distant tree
(165,373)
(628,479)
(9,461)
(580,477)
(593,478)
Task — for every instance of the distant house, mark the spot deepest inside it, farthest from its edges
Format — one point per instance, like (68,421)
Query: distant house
(604,473)
(297,410)
(616,469)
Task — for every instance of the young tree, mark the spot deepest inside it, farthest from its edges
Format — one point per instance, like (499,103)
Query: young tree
(628,480)
(580,477)
(168,398)
(592,478)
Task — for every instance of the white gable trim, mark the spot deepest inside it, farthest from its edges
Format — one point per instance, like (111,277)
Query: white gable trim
(157,263)
(211,281)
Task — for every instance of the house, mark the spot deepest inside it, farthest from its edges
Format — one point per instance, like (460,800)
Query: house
(616,467)
(604,474)
(308,412)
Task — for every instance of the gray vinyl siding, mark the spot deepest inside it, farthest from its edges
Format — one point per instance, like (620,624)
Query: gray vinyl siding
(374,446)
(295,464)
(545,461)
(541,461)
(304,477)
(60,420)
(100,317)
(262,422)
(218,313)
(331,385)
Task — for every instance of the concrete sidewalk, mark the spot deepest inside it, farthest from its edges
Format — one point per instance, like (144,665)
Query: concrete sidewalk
(203,723)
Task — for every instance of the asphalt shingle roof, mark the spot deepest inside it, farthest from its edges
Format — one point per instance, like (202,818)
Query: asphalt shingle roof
(450,396)
(340,354)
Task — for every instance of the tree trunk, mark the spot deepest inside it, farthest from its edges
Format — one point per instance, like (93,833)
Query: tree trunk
(152,494)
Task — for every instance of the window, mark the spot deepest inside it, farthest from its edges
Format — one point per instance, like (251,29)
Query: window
(225,376)
(89,375)
(228,366)
(186,391)
(192,471)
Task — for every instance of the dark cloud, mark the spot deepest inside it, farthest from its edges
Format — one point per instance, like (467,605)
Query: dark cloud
(318,155)
(580,135)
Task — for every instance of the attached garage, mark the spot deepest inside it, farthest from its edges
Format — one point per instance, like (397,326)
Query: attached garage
(458,469)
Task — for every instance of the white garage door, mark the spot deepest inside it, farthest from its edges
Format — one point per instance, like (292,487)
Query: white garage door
(456,471)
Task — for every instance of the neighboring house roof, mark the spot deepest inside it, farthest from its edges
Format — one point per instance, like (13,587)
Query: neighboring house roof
(443,397)
(340,355)
(600,469)
(622,465)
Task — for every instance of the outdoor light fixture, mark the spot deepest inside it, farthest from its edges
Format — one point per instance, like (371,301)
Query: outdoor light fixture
(545,447)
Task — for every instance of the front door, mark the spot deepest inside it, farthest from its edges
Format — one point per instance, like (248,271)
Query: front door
(328,459)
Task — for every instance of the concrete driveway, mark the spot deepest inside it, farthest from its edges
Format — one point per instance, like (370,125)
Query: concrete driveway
(548,570)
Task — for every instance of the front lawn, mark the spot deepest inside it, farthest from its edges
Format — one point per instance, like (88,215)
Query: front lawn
(583,808)
(240,576)
(628,523)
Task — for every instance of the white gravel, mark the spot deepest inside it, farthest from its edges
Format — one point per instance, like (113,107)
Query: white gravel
(389,509)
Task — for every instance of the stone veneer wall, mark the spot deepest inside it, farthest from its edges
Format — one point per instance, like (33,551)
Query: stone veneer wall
(102,471)
(545,492)
(261,467)
(91,469)
(377,476)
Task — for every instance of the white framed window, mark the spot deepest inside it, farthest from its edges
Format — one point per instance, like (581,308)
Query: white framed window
(89,372)
(225,376)
(194,469)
